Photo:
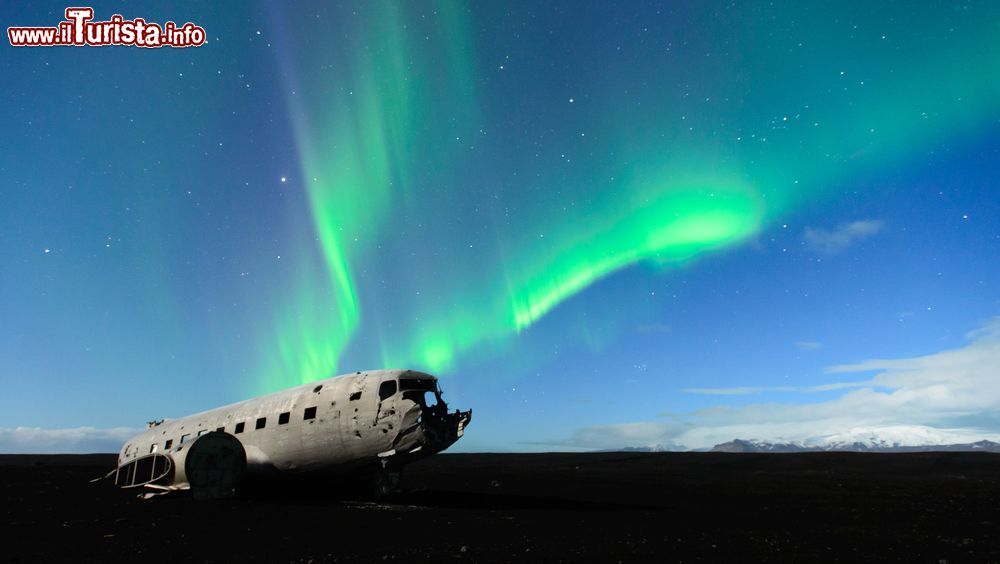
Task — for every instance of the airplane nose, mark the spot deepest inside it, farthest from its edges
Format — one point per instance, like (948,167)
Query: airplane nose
(431,432)
(452,426)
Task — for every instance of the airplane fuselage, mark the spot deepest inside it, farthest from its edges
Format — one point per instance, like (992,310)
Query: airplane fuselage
(389,417)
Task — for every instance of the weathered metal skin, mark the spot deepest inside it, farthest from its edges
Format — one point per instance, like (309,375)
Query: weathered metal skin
(380,419)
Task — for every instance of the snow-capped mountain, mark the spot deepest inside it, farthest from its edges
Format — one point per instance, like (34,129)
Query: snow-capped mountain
(882,439)
(739,445)
(896,438)
(893,437)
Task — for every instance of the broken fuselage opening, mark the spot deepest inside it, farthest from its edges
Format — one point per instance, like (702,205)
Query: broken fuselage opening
(424,425)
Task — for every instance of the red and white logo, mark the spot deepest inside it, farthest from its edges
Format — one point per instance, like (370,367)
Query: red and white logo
(79,29)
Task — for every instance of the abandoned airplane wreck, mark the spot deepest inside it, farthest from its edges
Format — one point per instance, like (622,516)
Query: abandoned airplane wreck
(371,423)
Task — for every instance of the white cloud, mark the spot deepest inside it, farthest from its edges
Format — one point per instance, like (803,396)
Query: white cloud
(746,390)
(832,241)
(953,393)
(645,433)
(809,345)
(35,440)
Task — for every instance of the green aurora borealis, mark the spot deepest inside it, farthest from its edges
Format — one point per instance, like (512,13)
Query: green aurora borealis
(734,128)
(602,225)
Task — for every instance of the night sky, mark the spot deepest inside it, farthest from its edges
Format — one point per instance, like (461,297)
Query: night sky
(601,226)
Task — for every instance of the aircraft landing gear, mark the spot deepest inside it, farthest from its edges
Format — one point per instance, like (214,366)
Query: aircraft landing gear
(385,482)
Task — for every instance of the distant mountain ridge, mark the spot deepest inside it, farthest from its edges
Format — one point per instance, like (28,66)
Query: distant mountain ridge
(884,438)
(742,445)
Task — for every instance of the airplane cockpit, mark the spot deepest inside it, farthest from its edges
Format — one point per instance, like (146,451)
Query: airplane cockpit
(424,392)
(426,426)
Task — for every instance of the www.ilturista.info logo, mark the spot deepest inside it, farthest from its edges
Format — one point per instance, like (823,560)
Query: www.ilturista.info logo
(79,30)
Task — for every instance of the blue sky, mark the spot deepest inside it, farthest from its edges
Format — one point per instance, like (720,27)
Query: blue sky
(728,222)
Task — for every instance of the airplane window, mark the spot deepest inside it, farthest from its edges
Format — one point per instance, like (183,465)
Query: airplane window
(355,396)
(387,390)
(202,432)
(239,427)
(170,443)
(310,413)
(418,384)
(283,418)
(184,438)
(261,422)
(221,429)
(152,447)
(317,389)
(430,399)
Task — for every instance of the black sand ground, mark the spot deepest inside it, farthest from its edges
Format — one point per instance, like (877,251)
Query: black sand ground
(609,507)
